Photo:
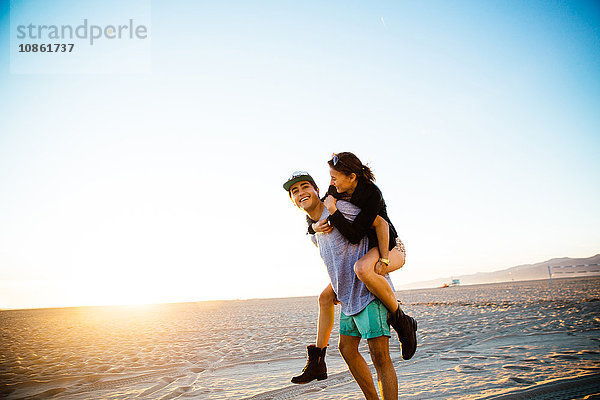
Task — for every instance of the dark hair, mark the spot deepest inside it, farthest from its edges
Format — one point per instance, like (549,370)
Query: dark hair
(347,163)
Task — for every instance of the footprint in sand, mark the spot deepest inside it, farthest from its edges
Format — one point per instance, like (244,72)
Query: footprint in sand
(468,369)
(316,389)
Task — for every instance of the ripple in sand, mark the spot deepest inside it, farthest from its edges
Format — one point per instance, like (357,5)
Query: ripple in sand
(564,357)
(521,380)
(91,379)
(520,367)
(589,352)
(50,392)
(533,360)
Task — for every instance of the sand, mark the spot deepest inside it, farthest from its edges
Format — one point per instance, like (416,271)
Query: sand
(503,341)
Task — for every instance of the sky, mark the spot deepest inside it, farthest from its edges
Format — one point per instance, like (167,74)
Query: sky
(151,170)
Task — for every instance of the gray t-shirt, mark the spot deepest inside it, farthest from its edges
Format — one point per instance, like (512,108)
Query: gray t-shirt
(340,256)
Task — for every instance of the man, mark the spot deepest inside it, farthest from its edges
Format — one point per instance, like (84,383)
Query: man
(363,315)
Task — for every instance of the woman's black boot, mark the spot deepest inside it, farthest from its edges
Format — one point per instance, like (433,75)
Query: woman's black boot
(406,327)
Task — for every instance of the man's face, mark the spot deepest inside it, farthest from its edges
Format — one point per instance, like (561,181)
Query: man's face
(304,195)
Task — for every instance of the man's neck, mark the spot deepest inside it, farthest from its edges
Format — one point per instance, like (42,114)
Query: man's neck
(315,214)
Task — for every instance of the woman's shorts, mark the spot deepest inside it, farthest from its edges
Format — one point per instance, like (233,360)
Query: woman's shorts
(400,247)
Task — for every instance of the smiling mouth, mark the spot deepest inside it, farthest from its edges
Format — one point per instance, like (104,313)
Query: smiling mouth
(303,198)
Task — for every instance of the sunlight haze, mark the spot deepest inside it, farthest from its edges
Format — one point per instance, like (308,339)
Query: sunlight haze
(163,182)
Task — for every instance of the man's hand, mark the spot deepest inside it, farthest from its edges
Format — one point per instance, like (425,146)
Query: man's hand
(330,203)
(322,226)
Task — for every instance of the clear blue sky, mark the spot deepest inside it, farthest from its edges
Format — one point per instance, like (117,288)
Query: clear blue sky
(152,171)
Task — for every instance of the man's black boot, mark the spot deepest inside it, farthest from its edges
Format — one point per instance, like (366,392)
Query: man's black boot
(315,366)
(406,327)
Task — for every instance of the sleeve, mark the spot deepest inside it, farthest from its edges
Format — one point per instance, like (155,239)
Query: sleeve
(333,192)
(354,231)
(314,240)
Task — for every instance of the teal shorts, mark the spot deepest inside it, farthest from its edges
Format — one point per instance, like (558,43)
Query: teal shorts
(367,324)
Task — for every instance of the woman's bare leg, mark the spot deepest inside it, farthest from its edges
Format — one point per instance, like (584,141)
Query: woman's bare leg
(326,316)
(404,325)
(397,260)
(377,284)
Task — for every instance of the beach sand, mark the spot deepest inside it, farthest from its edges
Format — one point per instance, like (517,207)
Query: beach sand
(513,340)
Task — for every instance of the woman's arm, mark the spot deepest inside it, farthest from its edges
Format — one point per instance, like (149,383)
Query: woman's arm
(382,229)
(354,231)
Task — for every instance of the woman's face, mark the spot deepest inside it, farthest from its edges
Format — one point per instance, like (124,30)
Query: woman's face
(343,183)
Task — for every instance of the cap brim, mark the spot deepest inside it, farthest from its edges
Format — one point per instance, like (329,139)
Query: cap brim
(297,179)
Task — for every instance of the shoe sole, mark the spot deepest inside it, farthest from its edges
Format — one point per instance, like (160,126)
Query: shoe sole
(318,378)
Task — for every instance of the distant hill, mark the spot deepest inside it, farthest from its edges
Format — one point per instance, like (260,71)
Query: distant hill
(560,267)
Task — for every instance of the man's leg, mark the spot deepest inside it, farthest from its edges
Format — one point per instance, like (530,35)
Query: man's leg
(358,366)
(316,368)
(326,316)
(386,374)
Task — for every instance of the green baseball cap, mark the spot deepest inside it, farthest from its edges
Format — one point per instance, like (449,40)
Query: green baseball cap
(298,176)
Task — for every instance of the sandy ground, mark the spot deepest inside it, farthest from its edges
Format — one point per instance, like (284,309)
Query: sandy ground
(502,341)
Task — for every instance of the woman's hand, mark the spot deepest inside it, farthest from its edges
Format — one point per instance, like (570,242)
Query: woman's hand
(322,226)
(330,203)
(380,268)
